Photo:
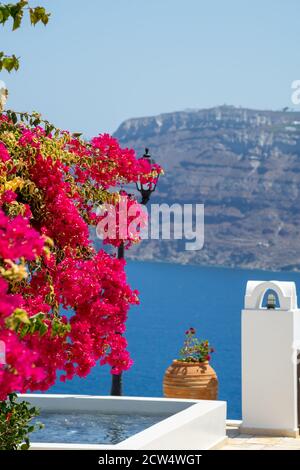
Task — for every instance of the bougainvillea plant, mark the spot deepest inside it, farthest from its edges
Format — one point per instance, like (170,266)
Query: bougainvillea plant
(50,183)
(195,350)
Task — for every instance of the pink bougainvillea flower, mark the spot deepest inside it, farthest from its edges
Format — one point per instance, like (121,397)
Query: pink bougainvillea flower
(4,155)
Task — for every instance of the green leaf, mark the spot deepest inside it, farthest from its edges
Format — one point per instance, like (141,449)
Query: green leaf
(33,19)
(14,118)
(43,329)
(17,20)
(16,12)
(5,13)
(36,122)
(38,14)
(25,329)
(9,63)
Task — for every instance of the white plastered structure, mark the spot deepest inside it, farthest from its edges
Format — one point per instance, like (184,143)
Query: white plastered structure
(270,347)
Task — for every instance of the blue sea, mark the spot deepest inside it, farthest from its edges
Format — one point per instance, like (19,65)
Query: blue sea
(174,298)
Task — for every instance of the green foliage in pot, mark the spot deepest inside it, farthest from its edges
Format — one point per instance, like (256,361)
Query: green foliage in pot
(194,349)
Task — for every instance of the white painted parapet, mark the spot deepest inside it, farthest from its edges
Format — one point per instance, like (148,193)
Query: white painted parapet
(270,346)
(186,424)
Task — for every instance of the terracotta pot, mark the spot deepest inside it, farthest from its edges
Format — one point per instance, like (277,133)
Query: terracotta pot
(196,380)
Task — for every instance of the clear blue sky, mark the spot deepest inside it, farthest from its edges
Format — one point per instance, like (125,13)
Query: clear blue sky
(99,62)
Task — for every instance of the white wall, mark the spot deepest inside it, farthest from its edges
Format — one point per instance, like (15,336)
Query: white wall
(269,397)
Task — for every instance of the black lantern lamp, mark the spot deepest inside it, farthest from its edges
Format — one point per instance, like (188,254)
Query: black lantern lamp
(271,301)
(146,189)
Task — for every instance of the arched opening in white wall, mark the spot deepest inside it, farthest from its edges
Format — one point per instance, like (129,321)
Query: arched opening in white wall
(270,299)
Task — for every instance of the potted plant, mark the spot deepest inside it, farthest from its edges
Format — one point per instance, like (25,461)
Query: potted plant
(191,376)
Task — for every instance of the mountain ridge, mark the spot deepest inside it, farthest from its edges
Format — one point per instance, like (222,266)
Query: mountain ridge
(244,165)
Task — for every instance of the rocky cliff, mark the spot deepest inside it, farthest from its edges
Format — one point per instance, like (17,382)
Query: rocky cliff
(244,165)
